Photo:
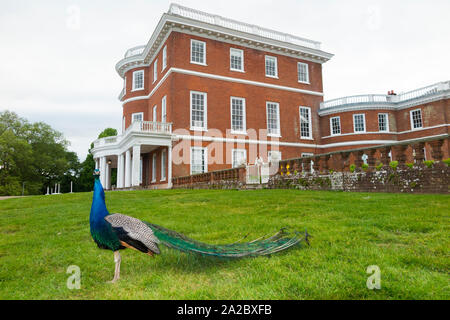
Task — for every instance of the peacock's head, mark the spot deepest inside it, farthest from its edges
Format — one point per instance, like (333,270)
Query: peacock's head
(96,173)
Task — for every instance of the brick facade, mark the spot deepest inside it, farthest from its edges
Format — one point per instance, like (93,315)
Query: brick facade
(216,79)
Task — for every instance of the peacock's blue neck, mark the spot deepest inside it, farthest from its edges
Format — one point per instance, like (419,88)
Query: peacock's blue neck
(98,208)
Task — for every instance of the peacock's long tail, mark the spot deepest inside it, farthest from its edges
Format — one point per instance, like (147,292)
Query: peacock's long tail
(282,240)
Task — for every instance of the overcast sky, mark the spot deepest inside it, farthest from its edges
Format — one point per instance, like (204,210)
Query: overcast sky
(56,70)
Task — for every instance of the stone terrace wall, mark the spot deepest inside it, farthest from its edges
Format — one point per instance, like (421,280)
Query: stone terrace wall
(418,179)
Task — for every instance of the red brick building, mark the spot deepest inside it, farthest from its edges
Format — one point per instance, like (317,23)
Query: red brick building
(208,93)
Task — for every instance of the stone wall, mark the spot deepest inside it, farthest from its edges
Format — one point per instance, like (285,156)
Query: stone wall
(417,179)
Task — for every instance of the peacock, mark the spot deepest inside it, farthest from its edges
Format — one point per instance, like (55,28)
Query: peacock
(117,232)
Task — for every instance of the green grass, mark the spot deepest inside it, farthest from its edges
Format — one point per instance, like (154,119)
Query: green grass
(407,236)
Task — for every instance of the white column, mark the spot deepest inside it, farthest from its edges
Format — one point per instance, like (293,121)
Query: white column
(96,163)
(107,176)
(169,166)
(120,171)
(136,166)
(127,169)
(103,171)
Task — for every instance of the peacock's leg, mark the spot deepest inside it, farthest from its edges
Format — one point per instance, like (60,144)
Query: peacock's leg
(117,260)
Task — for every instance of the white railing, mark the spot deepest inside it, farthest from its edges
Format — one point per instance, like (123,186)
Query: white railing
(150,127)
(139,127)
(387,99)
(134,51)
(241,26)
(433,89)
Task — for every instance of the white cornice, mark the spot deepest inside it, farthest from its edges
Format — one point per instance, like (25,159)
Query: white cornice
(441,92)
(169,23)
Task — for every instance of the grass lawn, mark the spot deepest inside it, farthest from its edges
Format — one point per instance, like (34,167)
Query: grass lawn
(407,236)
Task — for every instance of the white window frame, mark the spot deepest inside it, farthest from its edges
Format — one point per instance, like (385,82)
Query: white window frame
(164,59)
(204,52)
(233,153)
(307,72)
(241,53)
(412,119)
(205,150)
(387,122)
(310,137)
(155,114)
(354,122)
(270,153)
(154,168)
(331,126)
(163,165)
(276,66)
(164,109)
(244,115)
(135,74)
(155,70)
(135,114)
(205,112)
(278,135)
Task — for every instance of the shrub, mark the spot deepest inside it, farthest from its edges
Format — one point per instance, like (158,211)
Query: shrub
(352,168)
(429,163)
(331,171)
(447,161)
(365,166)
(379,167)
(410,165)
(393,164)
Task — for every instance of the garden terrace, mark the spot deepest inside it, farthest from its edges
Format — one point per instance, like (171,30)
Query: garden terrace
(403,152)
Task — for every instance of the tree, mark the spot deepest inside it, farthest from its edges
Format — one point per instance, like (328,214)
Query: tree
(32,154)
(88,165)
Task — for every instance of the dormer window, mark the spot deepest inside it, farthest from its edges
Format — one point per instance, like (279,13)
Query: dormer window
(138,80)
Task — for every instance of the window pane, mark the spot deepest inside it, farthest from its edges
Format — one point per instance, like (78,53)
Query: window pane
(164,58)
(198,110)
(239,158)
(137,117)
(416,119)
(236,57)
(303,75)
(382,122)
(164,110)
(359,122)
(336,125)
(138,80)
(198,161)
(197,52)
(305,123)
(271,66)
(272,119)
(237,115)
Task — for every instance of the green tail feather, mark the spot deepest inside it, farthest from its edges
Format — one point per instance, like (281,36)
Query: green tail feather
(259,247)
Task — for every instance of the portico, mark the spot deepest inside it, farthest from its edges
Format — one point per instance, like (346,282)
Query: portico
(125,152)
